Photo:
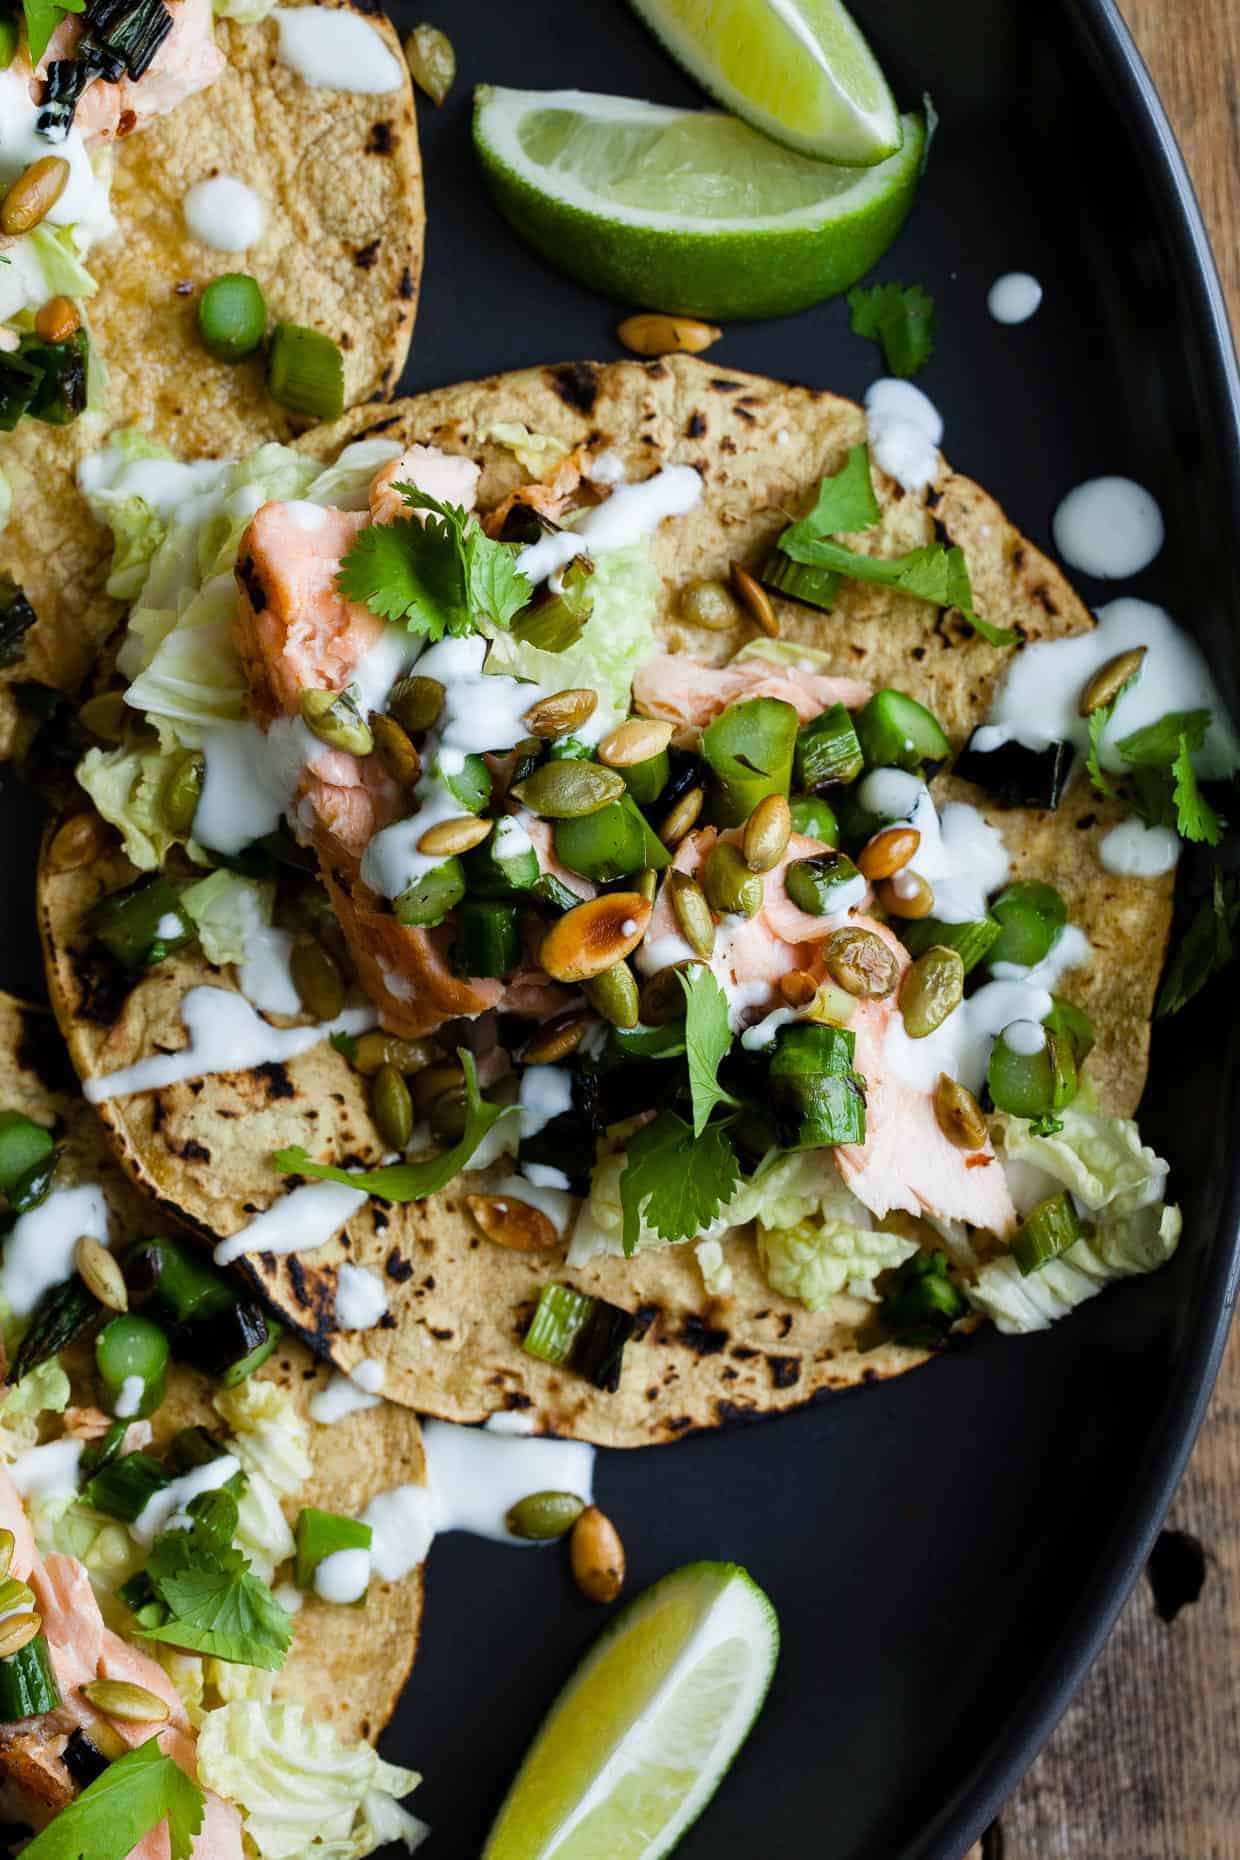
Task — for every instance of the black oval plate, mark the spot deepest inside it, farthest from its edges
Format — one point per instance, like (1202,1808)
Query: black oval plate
(945,1553)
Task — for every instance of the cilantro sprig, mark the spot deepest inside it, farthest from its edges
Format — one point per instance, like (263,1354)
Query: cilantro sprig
(115,1812)
(1208,945)
(439,574)
(675,1181)
(899,317)
(203,1596)
(1159,761)
(708,1039)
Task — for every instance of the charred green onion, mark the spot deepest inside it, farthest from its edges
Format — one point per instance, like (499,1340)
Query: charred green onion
(557,621)
(1071,1022)
(321,1534)
(586,1335)
(28,1682)
(605,845)
(972,941)
(921,1302)
(131,1355)
(1015,776)
(828,751)
(802,581)
(749,749)
(824,885)
(125,1488)
(305,372)
(817,1098)
(813,817)
(427,901)
(142,924)
(494,870)
(896,732)
(61,1314)
(218,1330)
(232,317)
(23,1145)
(1050,1229)
(1032,1072)
(1030,917)
(488,937)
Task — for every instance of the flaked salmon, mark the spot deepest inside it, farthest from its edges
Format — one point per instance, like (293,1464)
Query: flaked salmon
(683,691)
(448,477)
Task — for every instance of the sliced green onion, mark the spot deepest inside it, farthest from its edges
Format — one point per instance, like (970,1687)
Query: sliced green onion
(20,381)
(141,924)
(647,780)
(817,1098)
(554,891)
(488,937)
(60,393)
(101,1453)
(897,732)
(176,1284)
(749,749)
(1015,776)
(491,873)
(828,751)
(305,372)
(555,623)
(232,317)
(28,1682)
(666,1042)
(605,845)
(23,1144)
(584,1334)
(1065,1018)
(61,1314)
(815,818)
(972,941)
(195,1446)
(320,1534)
(801,581)
(427,901)
(1050,1229)
(470,785)
(132,1351)
(556,1323)
(1030,916)
(1031,1083)
(825,884)
(34,1187)
(123,1489)
(921,1302)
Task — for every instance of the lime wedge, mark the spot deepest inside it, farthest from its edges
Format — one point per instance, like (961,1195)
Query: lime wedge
(686,210)
(640,1738)
(799,70)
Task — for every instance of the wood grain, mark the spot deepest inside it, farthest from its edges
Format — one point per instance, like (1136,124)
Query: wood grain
(1145,1764)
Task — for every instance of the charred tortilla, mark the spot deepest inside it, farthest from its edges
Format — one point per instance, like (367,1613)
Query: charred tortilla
(340,176)
(347,1666)
(460,1304)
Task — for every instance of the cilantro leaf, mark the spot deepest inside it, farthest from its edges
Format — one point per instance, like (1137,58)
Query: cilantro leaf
(42,19)
(1098,721)
(845,501)
(410,1181)
(439,573)
(1161,758)
(212,1601)
(1195,818)
(345,1043)
(900,317)
(708,1038)
(930,573)
(1207,946)
(121,1807)
(1158,745)
(676,1181)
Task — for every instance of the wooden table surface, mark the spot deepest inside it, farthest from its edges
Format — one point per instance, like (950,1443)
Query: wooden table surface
(1145,1765)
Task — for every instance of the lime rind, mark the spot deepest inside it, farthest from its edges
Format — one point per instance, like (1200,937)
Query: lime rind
(800,71)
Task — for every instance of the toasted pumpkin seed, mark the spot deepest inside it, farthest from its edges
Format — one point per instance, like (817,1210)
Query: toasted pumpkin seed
(15,1596)
(511,1222)
(448,837)
(18,1632)
(597,1556)
(728,882)
(569,790)
(959,1114)
(647,882)
(860,963)
(544,1515)
(662,997)
(638,740)
(33,194)
(682,817)
(395,751)
(798,987)
(431,60)
(908,894)
(433,1081)
(105,715)
(561,713)
(101,1274)
(594,935)
(693,913)
(127,1703)
(8,1543)
(652,333)
(710,604)
(555,1041)
(376,1049)
(756,600)
(317,979)
(183,791)
(334,718)
(888,852)
(931,990)
(392,1107)
(449,1116)
(57,319)
(767,832)
(81,839)
(1109,680)
(613,994)
(416,702)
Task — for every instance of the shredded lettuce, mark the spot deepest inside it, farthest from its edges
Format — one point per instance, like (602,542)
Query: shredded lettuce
(618,636)
(303,1794)
(229,1681)
(126,786)
(44,1391)
(817,1260)
(1101,1159)
(187,1671)
(137,527)
(64,274)
(715,1270)
(346,484)
(1017,1304)
(226,909)
(104,1546)
(269,1435)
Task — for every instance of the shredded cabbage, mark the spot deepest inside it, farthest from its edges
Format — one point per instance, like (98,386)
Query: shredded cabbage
(1138,1243)
(64,274)
(303,1794)
(617,637)
(269,1435)
(817,1260)
(104,1546)
(226,909)
(6,500)
(536,453)
(346,484)
(126,786)
(1100,1158)
(44,1391)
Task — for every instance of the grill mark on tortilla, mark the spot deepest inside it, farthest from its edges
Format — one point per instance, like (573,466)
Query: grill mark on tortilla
(379,141)
(396,1266)
(696,427)
(405,288)
(274,1075)
(190,1151)
(700,1337)
(576,383)
(102,986)
(785,1371)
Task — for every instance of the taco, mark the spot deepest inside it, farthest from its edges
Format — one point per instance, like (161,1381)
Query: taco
(696,1124)
(269,1666)
(332,186)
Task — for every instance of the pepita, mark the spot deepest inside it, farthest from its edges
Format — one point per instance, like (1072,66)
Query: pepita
(569,790)
(57,319)
(182,793)
(543,1516)
(647,882)
(317,979)
(755,600)
(33,194)
(932,989)
(449,837)
(651,333)
(1109,680)
(959,1114)
(638,740)
(710,604)
(416,702)
(376,1050)
(693,913)
(513,1223)
(392,1107)
(597,1556)
(100,1273)
(127,1703)
(15,1596)
(859,962)
(561,713)
(449,1116)
(334,718)
(888,852)
(681,818)
(662,997)
(18,1632)
(555,1041)
(8,1543)
(729,884)
(395,751)
(433,1081)
(798,987)
(431,60)
(595,935)
(908,895)
(767,832)
(613,994)
(81,839)
(105,716)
